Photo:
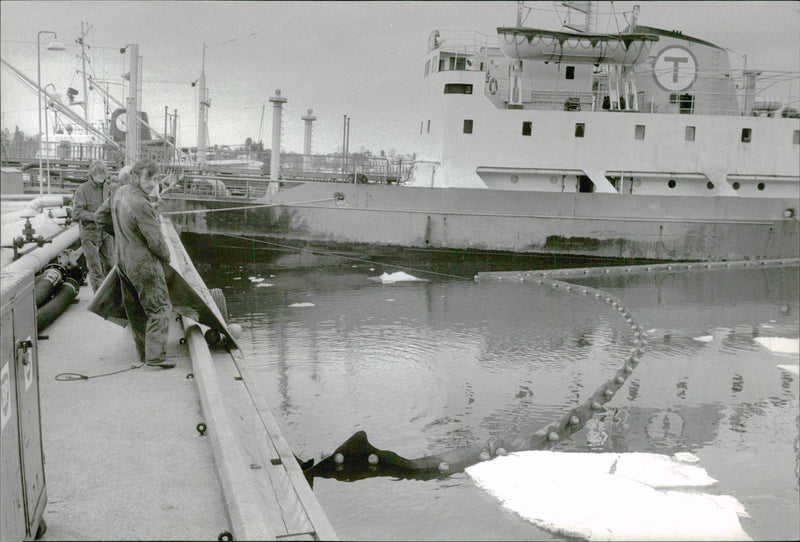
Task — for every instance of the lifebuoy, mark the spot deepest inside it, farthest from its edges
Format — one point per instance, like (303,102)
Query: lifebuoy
(493,86)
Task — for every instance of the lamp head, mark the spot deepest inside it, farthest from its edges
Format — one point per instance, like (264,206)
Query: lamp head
(56,46)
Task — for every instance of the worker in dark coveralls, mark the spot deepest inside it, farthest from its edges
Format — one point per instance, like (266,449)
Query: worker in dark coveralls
(141,252)
(98,246)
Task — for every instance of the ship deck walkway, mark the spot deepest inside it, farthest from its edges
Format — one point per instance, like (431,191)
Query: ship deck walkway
(124,454)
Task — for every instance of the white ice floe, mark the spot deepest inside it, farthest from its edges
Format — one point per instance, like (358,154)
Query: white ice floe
(256,279)
(704,338)
(297,305)
(780,345)
(661,471)
(399,276)
(611,496)
(237,278)
(686,457)
(264,285)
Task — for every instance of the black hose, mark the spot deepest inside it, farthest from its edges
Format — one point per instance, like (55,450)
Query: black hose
(47,283)
(67,291)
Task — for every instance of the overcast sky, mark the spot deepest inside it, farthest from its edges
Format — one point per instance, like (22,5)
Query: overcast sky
(362,59)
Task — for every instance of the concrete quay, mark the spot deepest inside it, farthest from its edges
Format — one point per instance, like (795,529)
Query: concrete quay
(142,453)
(123,457)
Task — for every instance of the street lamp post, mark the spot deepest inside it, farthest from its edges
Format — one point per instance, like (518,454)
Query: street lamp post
(54,46)
(47,131)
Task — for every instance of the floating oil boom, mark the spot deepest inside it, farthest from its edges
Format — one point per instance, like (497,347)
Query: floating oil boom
(357,458)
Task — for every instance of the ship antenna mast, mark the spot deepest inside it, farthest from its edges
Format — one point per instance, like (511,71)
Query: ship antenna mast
(82,41)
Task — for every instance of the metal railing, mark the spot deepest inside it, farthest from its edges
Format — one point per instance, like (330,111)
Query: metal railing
(29,151)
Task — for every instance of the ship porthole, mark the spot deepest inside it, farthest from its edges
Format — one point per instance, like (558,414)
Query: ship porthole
(672,183)
(788,213)
(637,182)
(710,185)
(736,185)
(514,178)
(761,186)
(553,179)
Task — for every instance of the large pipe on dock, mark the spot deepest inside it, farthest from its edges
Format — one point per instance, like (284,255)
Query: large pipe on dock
(40,257)
(67,291)
(37,204)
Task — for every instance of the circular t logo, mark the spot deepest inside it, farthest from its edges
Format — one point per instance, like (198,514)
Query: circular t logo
(675,69)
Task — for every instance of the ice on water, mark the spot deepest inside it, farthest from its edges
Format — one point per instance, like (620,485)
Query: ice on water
(398,276)
(612,496)
(780,345)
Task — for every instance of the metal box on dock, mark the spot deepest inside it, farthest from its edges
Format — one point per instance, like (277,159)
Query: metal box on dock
(23,495)
(11,181)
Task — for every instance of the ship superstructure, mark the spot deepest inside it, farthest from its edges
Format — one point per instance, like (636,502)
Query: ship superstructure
(644,111)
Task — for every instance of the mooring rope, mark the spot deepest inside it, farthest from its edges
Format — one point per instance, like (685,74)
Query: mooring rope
(243,207)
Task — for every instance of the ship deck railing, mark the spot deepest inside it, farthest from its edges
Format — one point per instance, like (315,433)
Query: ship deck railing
(777,96)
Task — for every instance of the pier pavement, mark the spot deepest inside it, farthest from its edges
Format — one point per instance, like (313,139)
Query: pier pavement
(123,457)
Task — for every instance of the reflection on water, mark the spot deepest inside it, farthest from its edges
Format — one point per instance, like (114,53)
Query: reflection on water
(425,367)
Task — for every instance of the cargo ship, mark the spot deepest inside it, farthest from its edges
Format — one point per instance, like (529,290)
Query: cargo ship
(644,143)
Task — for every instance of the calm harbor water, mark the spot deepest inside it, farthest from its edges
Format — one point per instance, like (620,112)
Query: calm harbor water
(425,367)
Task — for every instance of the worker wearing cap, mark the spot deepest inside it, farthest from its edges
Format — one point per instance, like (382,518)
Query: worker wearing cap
(97,244)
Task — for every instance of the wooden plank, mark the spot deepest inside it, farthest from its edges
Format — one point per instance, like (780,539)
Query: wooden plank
(287,497)
(241,416)
(246,513)
(272,477)
(309,501)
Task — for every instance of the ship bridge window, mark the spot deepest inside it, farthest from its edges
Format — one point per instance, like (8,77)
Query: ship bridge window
(690,130)
(457,88)
(527,128)
(747,135)
(427,67)
(580,129)
(452,63)
(639,132)
(570,73)
(796,137)
(467,126)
